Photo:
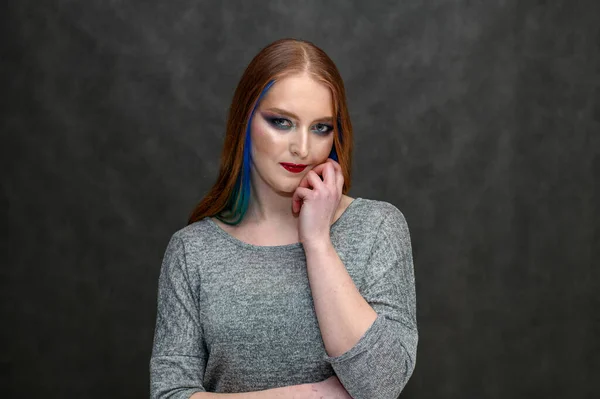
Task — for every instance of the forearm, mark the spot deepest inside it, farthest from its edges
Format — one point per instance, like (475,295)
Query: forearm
(303,391)
(343,314)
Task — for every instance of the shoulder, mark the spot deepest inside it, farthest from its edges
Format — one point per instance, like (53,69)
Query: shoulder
(371,220)
(193,246)
(389,234)
(379,214)
(195,238)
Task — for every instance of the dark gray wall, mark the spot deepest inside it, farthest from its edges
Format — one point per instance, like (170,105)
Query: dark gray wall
(479,120)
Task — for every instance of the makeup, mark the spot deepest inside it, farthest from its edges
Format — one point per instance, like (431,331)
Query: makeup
(281,123)
(294,168)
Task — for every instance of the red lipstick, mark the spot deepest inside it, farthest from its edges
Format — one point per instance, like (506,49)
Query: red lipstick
(292,167)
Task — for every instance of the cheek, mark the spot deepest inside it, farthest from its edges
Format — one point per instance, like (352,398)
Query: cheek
(258,135)
(264,140)
(325,147)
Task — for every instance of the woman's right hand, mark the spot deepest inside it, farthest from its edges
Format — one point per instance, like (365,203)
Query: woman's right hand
(330,388)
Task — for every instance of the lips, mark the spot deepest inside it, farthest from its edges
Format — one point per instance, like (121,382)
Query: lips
(292,167)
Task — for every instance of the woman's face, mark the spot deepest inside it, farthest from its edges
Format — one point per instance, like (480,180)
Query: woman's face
(292,124)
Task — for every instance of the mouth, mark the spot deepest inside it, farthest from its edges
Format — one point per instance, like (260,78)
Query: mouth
(292,167)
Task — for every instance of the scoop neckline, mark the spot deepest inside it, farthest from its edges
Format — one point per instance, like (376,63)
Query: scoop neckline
(295,245)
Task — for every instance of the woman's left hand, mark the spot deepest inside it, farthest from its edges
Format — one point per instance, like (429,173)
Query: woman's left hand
(317,201)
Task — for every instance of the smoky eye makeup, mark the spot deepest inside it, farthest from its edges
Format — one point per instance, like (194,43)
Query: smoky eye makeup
(279,122)
(282,123)
(328,128)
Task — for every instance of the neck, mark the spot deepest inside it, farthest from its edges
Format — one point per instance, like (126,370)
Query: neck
(267,206)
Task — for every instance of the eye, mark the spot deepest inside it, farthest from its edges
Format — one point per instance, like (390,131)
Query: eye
(280,123)
(323,128)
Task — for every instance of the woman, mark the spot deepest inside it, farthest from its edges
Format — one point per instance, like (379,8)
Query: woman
(281,285)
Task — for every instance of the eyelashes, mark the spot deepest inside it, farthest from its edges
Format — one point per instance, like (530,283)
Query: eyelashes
(280,123)
(286,124)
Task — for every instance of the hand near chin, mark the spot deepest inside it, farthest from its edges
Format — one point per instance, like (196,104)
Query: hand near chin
(317,201)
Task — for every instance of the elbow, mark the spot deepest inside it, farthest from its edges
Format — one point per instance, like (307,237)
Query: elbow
(385,382)
(175,377)
(398,376)
(406,367)
(405,373)
(383,362)
(396,381)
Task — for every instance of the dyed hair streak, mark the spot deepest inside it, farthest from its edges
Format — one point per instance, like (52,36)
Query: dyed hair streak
(237,204)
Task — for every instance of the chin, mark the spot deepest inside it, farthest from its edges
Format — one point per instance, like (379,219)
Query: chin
(288,188)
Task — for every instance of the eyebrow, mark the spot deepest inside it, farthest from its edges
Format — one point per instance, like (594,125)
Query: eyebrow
(292,115)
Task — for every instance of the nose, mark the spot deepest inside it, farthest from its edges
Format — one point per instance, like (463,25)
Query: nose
(299,143)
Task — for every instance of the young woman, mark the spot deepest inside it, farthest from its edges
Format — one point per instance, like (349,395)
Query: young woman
(281,285)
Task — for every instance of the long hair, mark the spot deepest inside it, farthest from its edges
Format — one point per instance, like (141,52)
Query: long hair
(229,197)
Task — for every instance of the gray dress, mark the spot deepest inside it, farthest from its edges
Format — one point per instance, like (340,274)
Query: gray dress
(236,317)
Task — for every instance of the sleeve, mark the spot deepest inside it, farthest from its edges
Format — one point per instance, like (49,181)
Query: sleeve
(382,361)
(178,356)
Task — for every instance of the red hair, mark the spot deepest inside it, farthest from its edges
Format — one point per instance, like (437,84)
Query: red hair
(279,59)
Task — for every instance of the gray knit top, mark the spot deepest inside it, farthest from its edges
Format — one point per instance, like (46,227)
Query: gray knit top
(236,317)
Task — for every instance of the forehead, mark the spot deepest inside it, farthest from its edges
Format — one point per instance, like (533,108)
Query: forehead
(301,95)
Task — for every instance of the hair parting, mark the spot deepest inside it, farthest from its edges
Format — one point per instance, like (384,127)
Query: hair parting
(229,197)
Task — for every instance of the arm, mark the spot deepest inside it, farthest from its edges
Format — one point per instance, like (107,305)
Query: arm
(343,314)
(370,336)
(291,392)
(331,388)
(178,354)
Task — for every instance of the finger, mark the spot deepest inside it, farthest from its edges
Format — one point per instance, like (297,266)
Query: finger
(305,180)
(335,164)
(339,180)
(339,175)
(298,198)
(314,180)
(319,168)
(329,174)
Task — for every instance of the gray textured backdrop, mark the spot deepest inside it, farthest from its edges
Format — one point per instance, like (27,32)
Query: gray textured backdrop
(480,120)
